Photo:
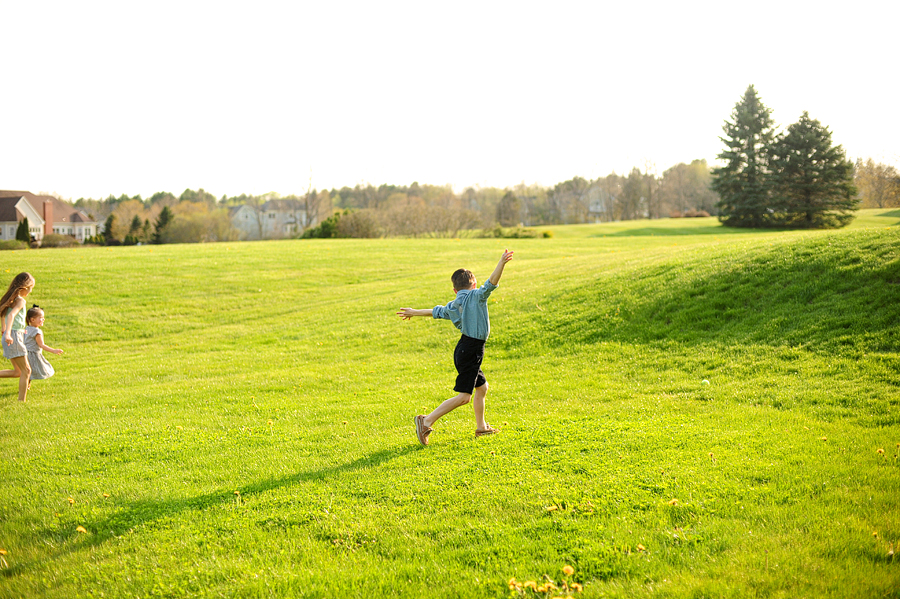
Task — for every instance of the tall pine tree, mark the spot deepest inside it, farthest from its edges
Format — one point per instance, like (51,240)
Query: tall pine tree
(743,184)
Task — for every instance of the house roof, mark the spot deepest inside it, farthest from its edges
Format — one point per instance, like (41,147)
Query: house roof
(8,212)
(63,212)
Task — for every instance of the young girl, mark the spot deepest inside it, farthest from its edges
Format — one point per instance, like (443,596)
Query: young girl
(34,343)
(12,323)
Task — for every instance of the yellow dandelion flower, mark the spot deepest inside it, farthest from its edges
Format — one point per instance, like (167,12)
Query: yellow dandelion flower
(512,581)
(881,451)
(71,501)
(530,585)
(641,547)
(577,587)
(180,428)
(106,495)
(568,570)
(270,423)
(81,529)
(673,502)
(551,508)
(3,551)
(824,438)
(875,534)
(542,589)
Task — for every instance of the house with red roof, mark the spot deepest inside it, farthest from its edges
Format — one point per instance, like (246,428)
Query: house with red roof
(45,215)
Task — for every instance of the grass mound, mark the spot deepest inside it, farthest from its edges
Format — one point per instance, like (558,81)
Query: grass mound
(820,293)
(686,410)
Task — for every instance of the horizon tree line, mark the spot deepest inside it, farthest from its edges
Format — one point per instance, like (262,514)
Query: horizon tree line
(768,180)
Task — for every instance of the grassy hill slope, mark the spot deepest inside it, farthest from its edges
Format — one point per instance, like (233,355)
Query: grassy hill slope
(236,419)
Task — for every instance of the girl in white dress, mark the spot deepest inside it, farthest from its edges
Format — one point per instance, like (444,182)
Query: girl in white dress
(34,343)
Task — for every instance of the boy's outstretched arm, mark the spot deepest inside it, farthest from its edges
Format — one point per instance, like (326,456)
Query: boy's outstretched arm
(407,313)
(495,276)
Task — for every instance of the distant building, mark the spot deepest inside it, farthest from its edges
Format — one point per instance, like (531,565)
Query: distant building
(601,205)
(45,215)
(276,219)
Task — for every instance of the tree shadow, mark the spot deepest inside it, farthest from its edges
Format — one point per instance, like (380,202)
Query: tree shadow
(816,293)
(713,229)
(136,513)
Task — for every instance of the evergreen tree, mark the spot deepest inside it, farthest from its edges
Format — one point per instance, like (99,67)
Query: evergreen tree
(743,184)
(22,232)
(108,227)
(162,222)
(135,227)
(812,179)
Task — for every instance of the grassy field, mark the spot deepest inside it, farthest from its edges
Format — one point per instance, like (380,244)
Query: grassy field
(236,419)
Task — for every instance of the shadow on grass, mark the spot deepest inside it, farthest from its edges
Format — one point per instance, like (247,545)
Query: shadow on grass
(831,293)
(136,513)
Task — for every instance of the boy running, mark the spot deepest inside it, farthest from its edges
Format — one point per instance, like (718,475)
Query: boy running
(469,313)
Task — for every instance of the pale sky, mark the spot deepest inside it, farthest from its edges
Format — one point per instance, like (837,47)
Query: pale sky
(110,96)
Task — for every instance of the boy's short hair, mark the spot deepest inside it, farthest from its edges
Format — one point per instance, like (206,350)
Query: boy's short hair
(462,279)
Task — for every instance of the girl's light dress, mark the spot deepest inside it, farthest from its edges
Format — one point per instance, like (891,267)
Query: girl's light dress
(40,367)
(17,349)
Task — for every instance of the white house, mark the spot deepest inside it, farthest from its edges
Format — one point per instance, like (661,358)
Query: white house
(275,219)
(600,205)
(45,215)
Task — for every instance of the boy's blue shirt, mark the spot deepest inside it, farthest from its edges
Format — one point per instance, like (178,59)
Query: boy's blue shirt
(469,312)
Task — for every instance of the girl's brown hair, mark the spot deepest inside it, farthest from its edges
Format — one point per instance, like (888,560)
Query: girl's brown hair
(21,281)
(32,313)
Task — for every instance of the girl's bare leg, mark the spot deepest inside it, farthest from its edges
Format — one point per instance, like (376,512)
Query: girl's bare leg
(21,364)
(10,374)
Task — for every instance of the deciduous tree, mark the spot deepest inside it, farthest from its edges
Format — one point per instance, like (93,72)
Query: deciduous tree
(509,210)
(878,184)
(686,187)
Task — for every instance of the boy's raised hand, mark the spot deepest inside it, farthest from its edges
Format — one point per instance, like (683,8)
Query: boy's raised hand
(495,276)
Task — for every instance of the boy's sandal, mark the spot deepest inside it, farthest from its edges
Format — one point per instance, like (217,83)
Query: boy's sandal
(488,431)
(422,431)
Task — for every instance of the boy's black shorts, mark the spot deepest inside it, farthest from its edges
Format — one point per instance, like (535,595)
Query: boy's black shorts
(467,358)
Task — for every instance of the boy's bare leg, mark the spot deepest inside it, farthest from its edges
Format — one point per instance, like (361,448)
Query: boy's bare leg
(446,407)
(478,406)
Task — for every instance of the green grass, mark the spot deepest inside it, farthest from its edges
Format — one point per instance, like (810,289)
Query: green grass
(247,408)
